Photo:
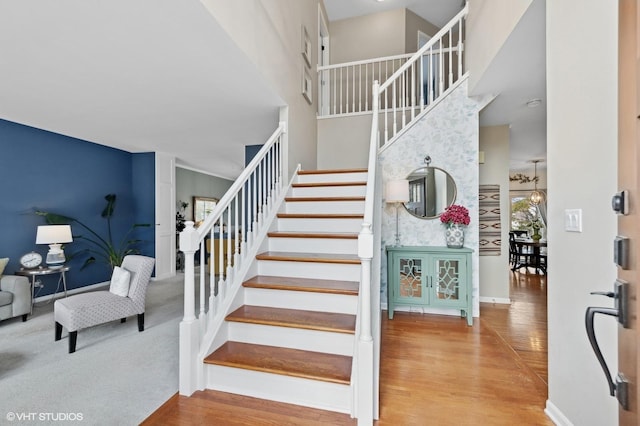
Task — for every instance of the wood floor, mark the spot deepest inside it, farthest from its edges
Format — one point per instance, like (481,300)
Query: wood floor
(435,370)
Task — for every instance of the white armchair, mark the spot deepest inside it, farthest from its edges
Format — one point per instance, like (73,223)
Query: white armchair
(98,307)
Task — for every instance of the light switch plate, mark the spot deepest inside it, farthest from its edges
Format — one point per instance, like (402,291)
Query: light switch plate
(573,220)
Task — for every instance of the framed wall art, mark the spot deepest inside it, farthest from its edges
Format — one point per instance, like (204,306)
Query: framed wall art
(307,88)
(306,46)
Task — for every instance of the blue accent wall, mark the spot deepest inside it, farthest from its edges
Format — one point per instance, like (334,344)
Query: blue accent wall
(56,173)
(143,166)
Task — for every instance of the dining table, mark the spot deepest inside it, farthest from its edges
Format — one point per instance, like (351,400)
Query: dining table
(533,258)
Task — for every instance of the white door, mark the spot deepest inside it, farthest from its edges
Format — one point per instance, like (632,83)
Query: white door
(323,59)
(430,69)
(165,216)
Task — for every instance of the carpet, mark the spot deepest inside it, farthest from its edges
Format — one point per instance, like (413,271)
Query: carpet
(489,220)
(116,376)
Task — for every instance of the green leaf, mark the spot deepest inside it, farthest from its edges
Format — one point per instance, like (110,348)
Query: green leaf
(108,210)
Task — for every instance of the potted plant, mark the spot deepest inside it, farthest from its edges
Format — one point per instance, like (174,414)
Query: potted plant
(535,227)
(102,249)
(455,217)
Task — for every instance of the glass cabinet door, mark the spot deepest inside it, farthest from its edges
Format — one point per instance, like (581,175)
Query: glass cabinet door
(449,282)
(411,275)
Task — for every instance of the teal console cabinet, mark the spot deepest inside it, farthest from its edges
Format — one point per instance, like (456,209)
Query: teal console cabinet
(437,277)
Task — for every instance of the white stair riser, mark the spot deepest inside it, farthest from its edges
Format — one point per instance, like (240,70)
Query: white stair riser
(314,245)
(304,300)
(326,271)
(319,225)
(294,338)
(333,177)
(276,387)
(325,207)
(329,191)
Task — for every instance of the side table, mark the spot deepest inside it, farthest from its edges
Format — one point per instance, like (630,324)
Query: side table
(34,273)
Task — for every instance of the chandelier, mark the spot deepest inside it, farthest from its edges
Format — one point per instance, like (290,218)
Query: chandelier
(536,197)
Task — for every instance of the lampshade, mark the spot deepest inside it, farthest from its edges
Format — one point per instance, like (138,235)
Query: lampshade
(53,234)
(397,191)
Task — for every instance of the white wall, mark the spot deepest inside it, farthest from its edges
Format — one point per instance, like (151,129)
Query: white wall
(393,32)
(482,46)
(582,173)
(494,270)
(343,142)
(269,32)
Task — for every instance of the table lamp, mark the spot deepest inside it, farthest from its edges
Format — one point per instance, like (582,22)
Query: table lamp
(397,192)
(55,236)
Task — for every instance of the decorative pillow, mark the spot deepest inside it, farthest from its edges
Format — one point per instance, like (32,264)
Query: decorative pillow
(120,282)
(3,264)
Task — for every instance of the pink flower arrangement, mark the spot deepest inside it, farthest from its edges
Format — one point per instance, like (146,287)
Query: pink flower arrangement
(455,214)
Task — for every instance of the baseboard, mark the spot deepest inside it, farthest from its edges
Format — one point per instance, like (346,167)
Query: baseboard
(48,297)
(500,300)
(454,312)
(556,415)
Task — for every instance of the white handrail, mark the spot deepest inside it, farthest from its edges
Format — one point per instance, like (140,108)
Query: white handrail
(433,41)
(423,79)
(413,80)
(365,61)
(230,230)
(390,103)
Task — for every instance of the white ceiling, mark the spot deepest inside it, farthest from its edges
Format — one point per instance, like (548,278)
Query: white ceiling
(144,75)
(516,75)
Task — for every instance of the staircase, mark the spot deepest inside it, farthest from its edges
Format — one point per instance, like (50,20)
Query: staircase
(293,338)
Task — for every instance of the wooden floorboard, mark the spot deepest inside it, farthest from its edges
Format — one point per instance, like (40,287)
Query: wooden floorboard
(435,370)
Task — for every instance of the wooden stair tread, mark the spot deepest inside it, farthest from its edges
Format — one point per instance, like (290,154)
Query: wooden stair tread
(350,259)
(294,318)
(303,284)
(297,199)
(319,184)
(329,171)
(284,361)
(320,216)
(335,235)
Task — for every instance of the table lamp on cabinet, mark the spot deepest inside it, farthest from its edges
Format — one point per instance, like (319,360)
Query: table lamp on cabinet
(397,192)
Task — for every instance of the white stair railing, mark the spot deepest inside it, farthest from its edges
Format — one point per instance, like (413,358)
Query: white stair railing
(412,82)
(401,97)
(346,87)
(224,240)
(423,79)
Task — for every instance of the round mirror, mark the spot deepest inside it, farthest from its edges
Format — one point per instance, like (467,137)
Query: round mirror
(431,191)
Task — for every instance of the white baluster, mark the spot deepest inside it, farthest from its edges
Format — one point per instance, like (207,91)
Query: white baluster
(450,58)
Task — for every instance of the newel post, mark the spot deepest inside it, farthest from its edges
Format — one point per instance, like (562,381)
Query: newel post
(365,385)
(189,326)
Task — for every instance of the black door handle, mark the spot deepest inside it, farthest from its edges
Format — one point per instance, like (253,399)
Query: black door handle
(589,317)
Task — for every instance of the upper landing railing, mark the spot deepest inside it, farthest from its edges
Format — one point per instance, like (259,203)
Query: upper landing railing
(410,83)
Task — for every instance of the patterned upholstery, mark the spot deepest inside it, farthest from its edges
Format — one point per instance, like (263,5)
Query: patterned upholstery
(98,307)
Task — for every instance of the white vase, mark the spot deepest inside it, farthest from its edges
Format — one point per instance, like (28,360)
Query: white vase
(454,235)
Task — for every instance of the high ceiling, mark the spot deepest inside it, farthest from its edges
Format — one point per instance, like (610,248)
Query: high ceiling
(151,75)
(517,75)
(142,75)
